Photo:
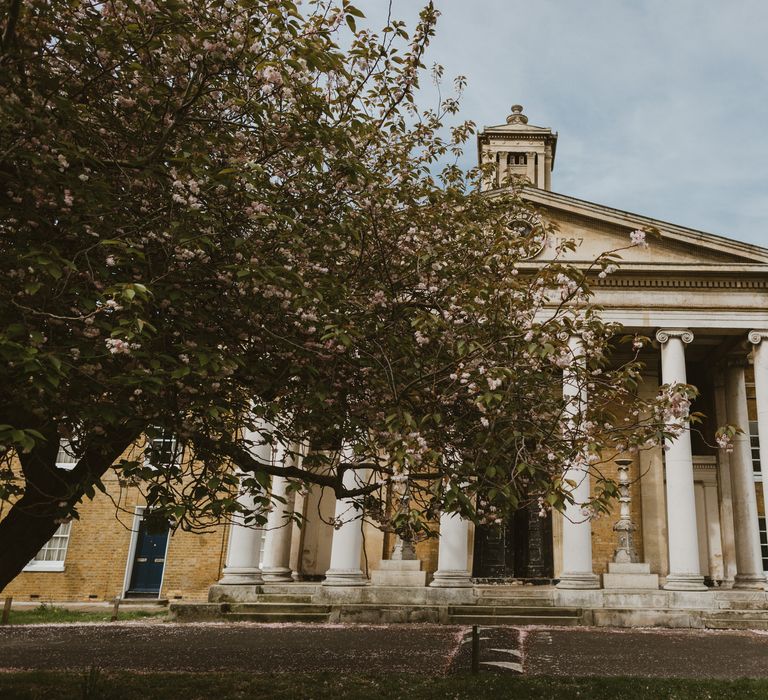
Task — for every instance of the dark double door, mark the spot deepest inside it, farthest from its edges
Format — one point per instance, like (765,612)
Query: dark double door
(520,547)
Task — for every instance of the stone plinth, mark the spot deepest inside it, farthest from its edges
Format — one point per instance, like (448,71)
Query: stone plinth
(399,572)
(630,575)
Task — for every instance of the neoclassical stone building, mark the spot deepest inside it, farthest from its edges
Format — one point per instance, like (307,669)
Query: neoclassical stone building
(698,512)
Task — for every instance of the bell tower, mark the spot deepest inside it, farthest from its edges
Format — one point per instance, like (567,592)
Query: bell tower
(518,149)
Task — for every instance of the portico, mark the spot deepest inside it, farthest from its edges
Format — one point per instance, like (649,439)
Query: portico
(702,302)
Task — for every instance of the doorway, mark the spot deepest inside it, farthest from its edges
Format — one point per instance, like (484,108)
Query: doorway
(148,562)
(518,548)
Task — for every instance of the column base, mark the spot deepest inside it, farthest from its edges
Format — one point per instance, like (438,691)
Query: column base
(578,580)
(753,582)
(345,577)
(451,579)
(685,582)
(239,575)
(277,574)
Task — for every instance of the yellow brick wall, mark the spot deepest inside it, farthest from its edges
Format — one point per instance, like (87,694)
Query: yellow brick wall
(98,549)
(604,539)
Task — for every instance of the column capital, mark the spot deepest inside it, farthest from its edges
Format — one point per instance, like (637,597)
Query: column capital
(755,337)
(737,360)
(664,335)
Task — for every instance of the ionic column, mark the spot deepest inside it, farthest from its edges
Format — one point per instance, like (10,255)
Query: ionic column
(724,490)
(577,528)
(760,357)
(244,549)
(275,565)
(714,533)
(684,571)
(347,546)
(453,553)
(749,563)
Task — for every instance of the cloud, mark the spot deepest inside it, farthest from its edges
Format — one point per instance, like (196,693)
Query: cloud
(661,107)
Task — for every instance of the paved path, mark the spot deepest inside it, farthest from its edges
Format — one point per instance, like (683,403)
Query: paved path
(423,649)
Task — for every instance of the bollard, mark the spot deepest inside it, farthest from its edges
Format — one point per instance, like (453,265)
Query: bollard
(6,610)
(475,650)
(115,609)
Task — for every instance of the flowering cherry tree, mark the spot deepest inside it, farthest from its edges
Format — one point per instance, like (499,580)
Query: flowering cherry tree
(214,219)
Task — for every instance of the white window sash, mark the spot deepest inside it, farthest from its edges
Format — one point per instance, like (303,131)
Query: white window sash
(55,547)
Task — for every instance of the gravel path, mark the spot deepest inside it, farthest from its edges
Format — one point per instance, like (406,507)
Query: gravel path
(645,653)
(427,649)
(371,649)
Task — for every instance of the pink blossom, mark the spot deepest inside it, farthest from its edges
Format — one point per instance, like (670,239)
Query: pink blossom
(116,346)
(637,238)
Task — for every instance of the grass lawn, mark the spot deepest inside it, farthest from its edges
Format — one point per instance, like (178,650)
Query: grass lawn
(52,614)
(123,686)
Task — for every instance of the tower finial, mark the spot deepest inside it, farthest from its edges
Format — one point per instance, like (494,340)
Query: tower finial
(517,116)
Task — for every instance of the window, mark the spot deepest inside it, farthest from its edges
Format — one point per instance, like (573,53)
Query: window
(51,556)
(754,443)
(65,458)
(517,159)
(162,449)
(763,541)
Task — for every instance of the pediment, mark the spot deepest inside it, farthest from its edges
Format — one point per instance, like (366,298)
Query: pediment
(598,229)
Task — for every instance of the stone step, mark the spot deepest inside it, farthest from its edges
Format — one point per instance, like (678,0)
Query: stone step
(737,619)
(275,608)
(516,620)
(742,624)
(517,602)
(276,617)
(541,593)
(295,588)
(513,610)
(282,598)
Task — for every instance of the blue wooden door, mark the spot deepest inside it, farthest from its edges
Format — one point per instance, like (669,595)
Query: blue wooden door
(149,560)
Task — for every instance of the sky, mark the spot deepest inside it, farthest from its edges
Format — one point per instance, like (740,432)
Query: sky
(661,105)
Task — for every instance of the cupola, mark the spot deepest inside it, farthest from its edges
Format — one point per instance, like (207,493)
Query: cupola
(518,149)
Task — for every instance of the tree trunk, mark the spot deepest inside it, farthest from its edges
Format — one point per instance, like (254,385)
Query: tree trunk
(51,493)
(22,534)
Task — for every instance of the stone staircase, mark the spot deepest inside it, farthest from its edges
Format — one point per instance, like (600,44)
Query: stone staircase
(513,615)
(745,614)
(516,605)
(487,605)
(268,608)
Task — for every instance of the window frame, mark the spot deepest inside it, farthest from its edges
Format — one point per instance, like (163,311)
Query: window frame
(176,451)
(52,565)
(65,448)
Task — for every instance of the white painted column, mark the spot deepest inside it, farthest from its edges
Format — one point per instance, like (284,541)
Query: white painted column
(760,357)
(749,563)
(684,571)
(714,537)
(577,529)
(244,549)
(724,490)
(701,527)
(347,547)
(453,553)
(276,563)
